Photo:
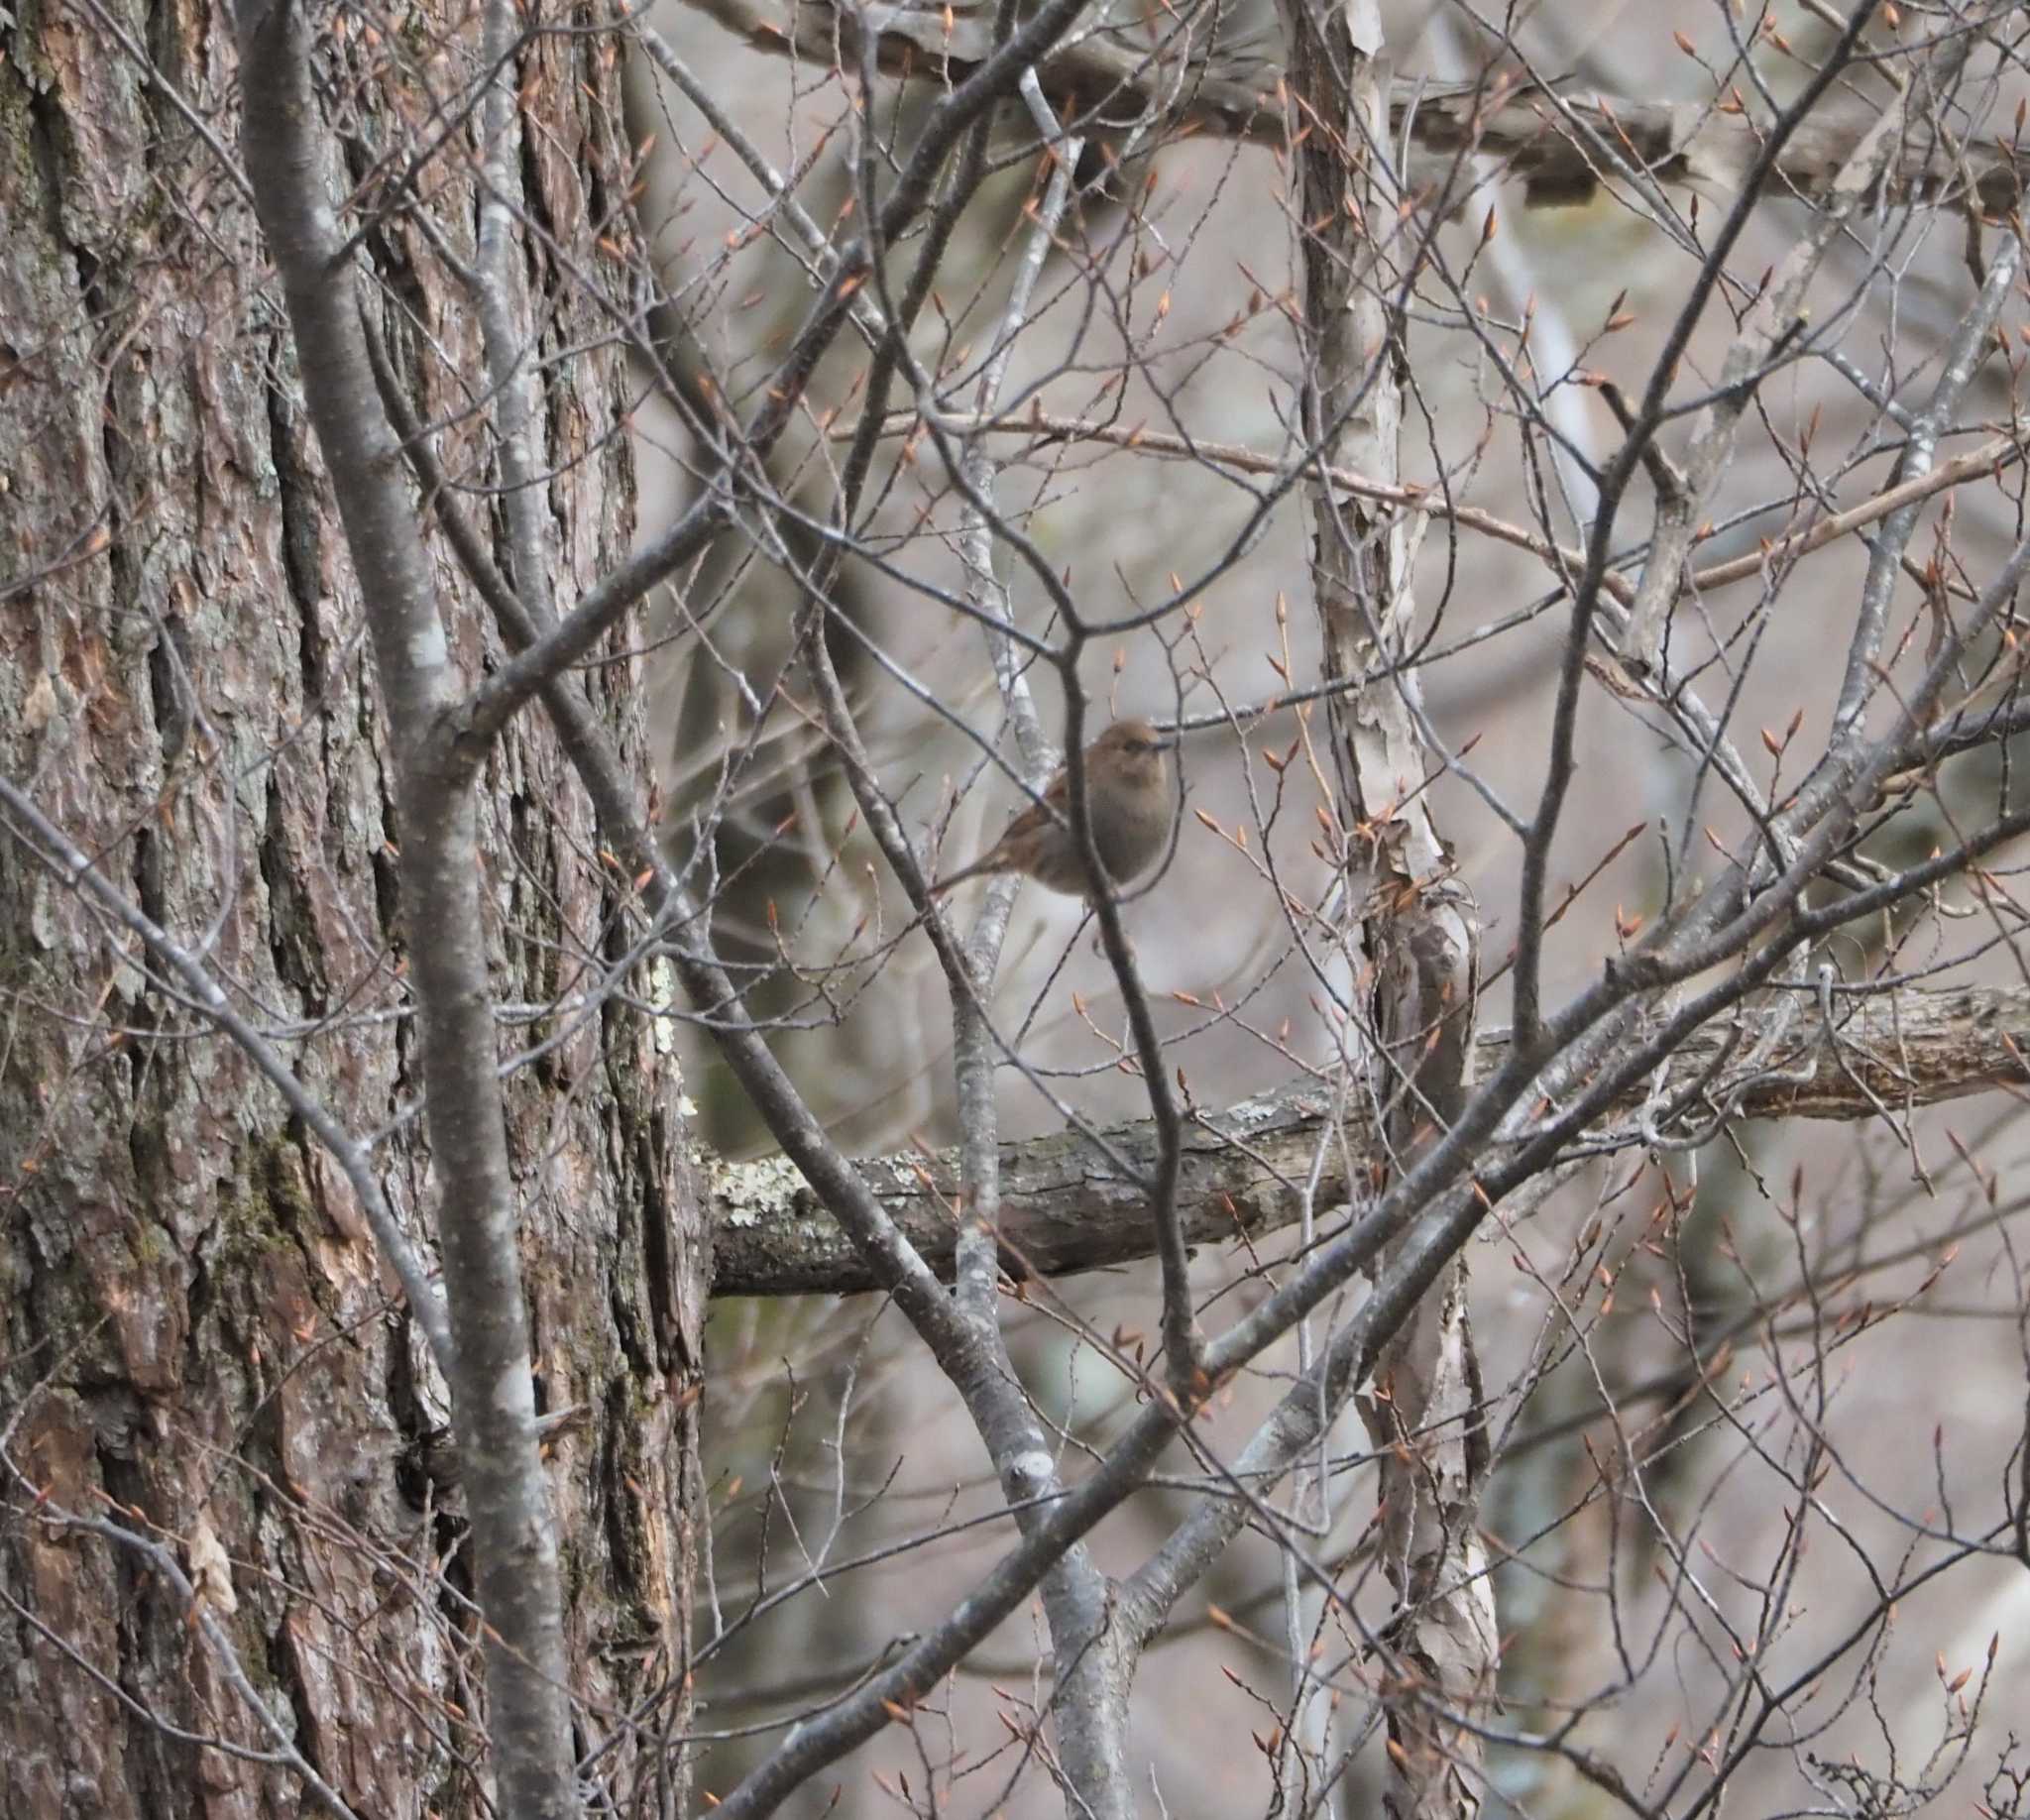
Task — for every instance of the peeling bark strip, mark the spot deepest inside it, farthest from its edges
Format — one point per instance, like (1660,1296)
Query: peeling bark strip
(1409,941)
(1560,142)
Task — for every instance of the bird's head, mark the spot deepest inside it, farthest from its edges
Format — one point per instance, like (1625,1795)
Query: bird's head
(1133,753)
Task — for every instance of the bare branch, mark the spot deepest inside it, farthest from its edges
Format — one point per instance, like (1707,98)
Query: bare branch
(1243,1169)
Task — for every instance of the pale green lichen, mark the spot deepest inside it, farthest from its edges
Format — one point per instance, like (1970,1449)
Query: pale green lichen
(1251,1113)
(662,990)
(748,1194)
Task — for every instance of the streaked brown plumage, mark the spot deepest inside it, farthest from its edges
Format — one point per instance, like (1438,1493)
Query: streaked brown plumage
(1127,802)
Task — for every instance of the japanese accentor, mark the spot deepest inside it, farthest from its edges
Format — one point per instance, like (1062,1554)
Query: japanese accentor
(1127,803)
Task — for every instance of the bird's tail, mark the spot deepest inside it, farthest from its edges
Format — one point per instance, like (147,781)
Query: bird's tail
(987,863)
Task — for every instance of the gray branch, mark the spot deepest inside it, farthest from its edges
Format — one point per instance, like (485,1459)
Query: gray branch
(1560,144)
(1064,1209)
(291,163)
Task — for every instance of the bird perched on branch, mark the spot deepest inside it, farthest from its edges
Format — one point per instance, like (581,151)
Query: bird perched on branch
(1127,804)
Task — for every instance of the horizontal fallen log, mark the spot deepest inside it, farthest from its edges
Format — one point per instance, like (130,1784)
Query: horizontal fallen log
(1067,1209)
(1558,142)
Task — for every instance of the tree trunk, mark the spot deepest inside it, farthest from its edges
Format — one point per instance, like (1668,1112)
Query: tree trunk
(201,1340)
(1410,944)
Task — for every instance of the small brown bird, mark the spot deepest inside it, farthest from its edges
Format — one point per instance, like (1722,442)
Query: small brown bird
(1127,802)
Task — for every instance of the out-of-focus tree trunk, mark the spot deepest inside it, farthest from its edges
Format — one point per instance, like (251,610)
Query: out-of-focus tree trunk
(197,1335)
(1411,958)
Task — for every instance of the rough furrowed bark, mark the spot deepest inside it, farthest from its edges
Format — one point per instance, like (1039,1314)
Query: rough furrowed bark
(200,1338)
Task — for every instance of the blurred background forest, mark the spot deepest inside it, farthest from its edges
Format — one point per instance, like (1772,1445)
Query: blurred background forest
(1166,308)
